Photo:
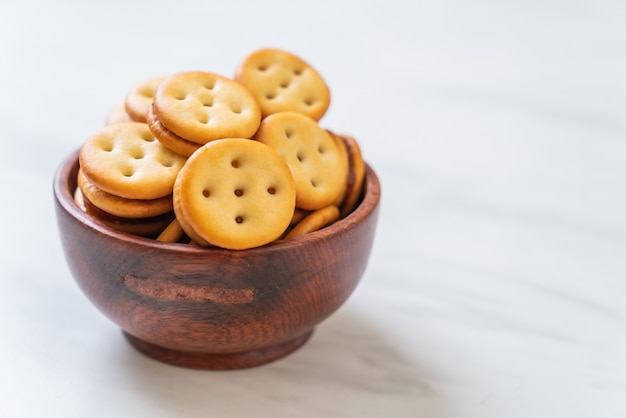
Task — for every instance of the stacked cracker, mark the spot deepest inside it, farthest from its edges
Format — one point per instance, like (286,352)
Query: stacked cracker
(235,162)
(126,178)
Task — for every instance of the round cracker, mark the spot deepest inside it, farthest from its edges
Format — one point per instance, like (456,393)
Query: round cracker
(79,199)
(356,175)
(281,81)
(117,115)
(144,227)
(201,107)
(140,98)
(315,160)
(168,138)
(234,193)
(344,155)
(126,160)
(120,206)
(172,233)
(298,215)
(314,221)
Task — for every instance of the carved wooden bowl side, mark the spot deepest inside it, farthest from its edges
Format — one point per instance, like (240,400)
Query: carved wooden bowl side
(215,308)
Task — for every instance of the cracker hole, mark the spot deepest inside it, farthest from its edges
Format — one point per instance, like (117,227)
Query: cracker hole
(207,103)
(147,136)
(284,84)
(299,157)
(180,96)
(127,171)
(209,85)
(236,109)
(235,163)
(262,67)
(239,219)
(288,133)
(270,96)
(309,102)
(238,192)
(298,71)
(206,193)
(106,146)
(271,190)
(203,118)
(166,162)
(321,149)
(313,183)
(137,154)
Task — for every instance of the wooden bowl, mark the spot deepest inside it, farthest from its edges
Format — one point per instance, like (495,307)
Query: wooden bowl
(215,308)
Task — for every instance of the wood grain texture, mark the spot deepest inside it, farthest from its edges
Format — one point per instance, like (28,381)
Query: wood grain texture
(177,302)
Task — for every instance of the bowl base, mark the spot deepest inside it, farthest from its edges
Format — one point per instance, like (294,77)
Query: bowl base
(218,361)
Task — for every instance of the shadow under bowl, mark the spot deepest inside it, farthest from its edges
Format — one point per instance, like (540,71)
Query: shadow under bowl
(209,308)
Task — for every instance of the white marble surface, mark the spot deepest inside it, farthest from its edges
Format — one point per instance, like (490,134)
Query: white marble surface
(497,284)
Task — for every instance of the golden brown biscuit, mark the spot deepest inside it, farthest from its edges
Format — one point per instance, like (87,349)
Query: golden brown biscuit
(79,199)
(140,97)
(234,193)
(117,115)
(126,160)
(172,233)
(120,206)
(281,81)
(344,155)
(143,227)
(168,138)
(201,107)
(356,175)
(312,155)
(298,215)
(314,221)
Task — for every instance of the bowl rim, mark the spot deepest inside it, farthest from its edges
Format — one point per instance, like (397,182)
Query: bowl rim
(62,194)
